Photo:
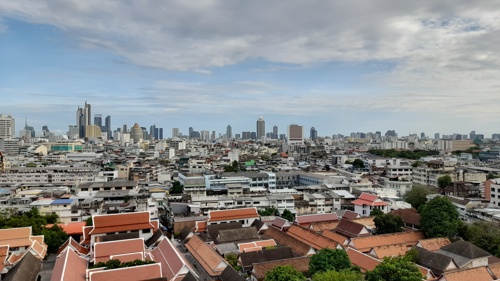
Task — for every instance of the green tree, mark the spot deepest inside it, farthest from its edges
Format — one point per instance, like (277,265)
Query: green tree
(269,211)
(287,215)
(54,237)
(485,235)
(343,275)
(395,269)
(88,221)
(177,188)
(234,167)
(358,163)
(329,259)
(232,259)
(417,196)
(284,273)
(444,181)
(376,212)
(491,176)
(439,218)
(388,223)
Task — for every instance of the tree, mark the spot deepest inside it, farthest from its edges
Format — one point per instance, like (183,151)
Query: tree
(395,269)
(88,221)
(329,259)
(485,235)
(417,196)
(376,212)
(444,181)
(284,273)
(287,215)
(388,223)
(439,218)
(491,176)
(269,211)
(234,167)
(177,188)
(343,275)
(54,237)
(358,163)
(232,259)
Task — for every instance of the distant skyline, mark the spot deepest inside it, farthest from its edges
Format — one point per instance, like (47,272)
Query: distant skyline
(339,66)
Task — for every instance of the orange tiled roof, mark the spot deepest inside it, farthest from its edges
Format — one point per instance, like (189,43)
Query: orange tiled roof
(16,237)
(306,220)
(172,263)
(365,244)
(339,238)
(104,250)
(69,266)
(146,272)
(393,250)
(364,261)
(235,214)
(495,268)
(311,238)
(200,226)
(368,199)
(71,228)
(121,222)
(212,262)
(476,274)
(256,245)
(260,269)
(366,221)
(72,243)
(433,244)
(284,239)
(325,225)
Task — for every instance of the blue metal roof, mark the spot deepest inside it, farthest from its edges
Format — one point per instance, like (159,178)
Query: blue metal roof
(61,202)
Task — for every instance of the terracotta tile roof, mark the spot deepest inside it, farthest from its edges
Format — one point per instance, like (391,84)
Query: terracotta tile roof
(368,199)
(350,215)
(245,234)
(283,239)
(393,250)
(365,244)
(104,250)
(476,274)
(256,245)
(212,262)
(4,251)
(433,244)
(307,220)
(311,238)
(16,237)
(71,228)
(280,223)
(172,264)
(69,266)
(260,269)
(85,239)
(339,238)
(352,229)
(249,258)
(201,226)
(213,230)
(409,216)
(39,250)
(364,261)
(495,269)
(325,225)
(234,214)
(366,221)
(146,272)
(426,273)
(121,222)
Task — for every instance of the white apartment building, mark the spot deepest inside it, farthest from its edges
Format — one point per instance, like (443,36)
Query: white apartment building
(56,175)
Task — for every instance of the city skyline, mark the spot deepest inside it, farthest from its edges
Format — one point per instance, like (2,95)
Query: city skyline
(341,68)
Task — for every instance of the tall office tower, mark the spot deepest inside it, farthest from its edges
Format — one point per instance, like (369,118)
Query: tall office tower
(83,116)
(229,132)
(152,132)
(472,135)
(314,134)
(98,120)
(261,128)
(136,133)
(212,136)
(175,132)
(29,129)
(253,135)
(72,132)
(246,135)
(7,126)
(436,136)
(295,134)
(107,123)
(191,130)
(124,129)
(160,133)
(275,132)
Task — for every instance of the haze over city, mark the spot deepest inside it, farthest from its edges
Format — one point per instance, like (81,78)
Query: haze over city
(415,67)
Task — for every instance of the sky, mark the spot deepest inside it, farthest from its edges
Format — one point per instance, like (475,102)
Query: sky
(340,66)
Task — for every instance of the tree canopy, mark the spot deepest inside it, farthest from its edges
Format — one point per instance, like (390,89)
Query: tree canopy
(408,154)
(376,212)
(417,195)
(395,269)
(444,181)
(284,273)
(485,235)
(329,259)
(343,275)
(234,167)
(177,188)
(269,211)
(439,218)
(287,215)
(388,223)
(358,163)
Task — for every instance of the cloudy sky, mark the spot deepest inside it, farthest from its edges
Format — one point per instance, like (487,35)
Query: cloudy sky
(340,66)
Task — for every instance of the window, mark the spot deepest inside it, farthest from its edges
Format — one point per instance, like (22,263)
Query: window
(74,219)
(146,231)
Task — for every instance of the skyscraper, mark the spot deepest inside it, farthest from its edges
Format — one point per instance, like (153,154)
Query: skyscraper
(295,134)
(275,132)
(83,116)
(229,132)
(107,123)
(7,126)
(261,128)
(175,132)
(98,120)
(314,134)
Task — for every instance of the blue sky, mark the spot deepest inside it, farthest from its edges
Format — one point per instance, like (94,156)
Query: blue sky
(340,67)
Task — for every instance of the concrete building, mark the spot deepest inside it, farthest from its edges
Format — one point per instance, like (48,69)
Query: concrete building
(261,128)
(7,126)
(295,134)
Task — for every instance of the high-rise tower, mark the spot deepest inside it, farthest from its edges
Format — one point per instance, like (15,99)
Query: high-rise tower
(7,126)
(314,134)
(261,128)
(229,132)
